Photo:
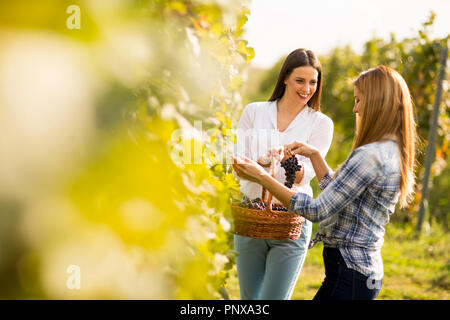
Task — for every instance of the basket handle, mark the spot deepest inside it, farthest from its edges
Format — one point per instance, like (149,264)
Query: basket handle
(269,201)
(273,165)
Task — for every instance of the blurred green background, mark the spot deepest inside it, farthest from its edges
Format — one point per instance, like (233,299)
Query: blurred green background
(95,122)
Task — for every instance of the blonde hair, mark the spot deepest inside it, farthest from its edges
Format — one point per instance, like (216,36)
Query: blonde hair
(386,109)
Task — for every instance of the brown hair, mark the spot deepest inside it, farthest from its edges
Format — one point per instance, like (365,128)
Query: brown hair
(299,58)
(386,108)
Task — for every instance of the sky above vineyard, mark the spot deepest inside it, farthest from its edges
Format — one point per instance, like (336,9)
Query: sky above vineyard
(275,28)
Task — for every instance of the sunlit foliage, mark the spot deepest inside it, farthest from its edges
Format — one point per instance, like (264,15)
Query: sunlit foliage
(90,171)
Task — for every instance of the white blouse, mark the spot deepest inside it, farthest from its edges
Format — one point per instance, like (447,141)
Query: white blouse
(257,133)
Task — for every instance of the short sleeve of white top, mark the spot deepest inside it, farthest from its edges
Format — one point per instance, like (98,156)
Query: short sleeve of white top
(257,133)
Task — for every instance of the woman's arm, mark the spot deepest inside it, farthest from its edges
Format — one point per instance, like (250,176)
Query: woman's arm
(320,138)
(359,171)
(243,133)
(318,162)
(250,170)
(278,190)
(320,165)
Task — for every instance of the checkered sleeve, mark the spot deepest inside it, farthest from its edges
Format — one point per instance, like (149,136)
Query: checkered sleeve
(326,179)
(358,172)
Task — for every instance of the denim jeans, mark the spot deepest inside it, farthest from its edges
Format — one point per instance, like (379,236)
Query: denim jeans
(269,269)
(342,283)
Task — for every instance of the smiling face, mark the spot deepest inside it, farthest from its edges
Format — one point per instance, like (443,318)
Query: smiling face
(301,84)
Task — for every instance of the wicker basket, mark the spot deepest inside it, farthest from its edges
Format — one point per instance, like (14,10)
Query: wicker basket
(266,224)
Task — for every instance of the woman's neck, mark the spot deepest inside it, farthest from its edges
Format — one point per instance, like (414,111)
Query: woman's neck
(287,106)
(389,136)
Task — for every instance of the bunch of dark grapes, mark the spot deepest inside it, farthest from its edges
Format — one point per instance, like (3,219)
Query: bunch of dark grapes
(260,205)
(291,166)
(279,207)
(253,204)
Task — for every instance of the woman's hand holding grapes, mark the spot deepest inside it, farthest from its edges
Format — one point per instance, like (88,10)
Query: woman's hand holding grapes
(300,148)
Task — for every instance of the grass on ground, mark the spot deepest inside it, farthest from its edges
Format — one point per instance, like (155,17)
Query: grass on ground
(414,269)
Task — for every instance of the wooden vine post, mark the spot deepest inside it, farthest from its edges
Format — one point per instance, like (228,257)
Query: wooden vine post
(431,141)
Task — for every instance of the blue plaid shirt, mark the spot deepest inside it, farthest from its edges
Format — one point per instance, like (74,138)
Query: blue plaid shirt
(354,207)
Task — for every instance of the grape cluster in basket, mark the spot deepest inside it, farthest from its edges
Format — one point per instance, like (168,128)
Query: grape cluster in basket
(291,166)
(260,205)
(253,204)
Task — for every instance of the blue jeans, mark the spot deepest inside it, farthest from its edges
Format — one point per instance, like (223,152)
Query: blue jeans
(269,269)
(342,283)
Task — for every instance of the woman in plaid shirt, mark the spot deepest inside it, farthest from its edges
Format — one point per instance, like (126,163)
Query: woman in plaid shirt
(357,200)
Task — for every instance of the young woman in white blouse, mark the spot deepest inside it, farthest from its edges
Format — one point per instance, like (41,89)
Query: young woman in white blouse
(269,269)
